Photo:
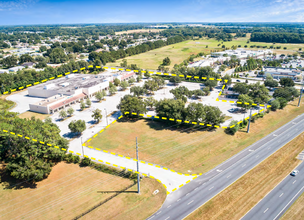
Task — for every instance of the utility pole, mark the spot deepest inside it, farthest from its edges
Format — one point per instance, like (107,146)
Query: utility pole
(249,121)
(301,93)
(82,148)
(138,183)
(106,116)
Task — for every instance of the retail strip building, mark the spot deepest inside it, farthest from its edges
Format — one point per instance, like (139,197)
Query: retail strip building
(63,92)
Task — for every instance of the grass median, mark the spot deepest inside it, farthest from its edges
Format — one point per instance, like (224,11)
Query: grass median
(236,200)
(184,150)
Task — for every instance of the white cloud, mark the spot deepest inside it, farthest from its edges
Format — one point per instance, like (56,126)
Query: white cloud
(16,4)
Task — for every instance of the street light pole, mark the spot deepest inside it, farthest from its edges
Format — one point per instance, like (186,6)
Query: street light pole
(82,148)
(106,116)
(249,121)
(301,93)
(138,183)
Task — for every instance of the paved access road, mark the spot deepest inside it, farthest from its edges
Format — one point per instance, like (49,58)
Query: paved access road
(187,199)
(276,203)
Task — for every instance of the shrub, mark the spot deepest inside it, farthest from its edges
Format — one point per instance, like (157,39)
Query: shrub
(86,162)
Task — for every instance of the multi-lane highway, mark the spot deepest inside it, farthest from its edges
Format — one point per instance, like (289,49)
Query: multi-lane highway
(187,199)
(274,205)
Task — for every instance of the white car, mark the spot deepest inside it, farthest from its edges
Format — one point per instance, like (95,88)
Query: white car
(294,173)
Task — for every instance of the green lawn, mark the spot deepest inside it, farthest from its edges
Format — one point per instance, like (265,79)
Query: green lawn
(198,150)
(6,104)
(181,51)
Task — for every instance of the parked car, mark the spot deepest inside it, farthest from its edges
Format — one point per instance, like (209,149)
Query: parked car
(294,173)
(238,80)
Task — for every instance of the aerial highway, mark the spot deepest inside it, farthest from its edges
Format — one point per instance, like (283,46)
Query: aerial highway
(275,203)
(190,197)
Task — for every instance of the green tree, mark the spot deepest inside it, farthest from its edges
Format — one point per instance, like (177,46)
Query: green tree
(271,83)
(214,116)
(70,111)
(166,61)
(241,88)
(286,82)
(63,114)
(195,112)
(147,74)
(275,104)
(175,80)
(283,102)
(131,81)
(211,84)
(112,90)
(97,115)
(139,78)
(99,95)
(170,108)
(116,82)
(234,129)
(286,93)
(150,102)
(245,100)
(226,80)
(124,85)
(259,93)
(132,104)
(124,63)
(138,90)
(26,58)
(77,126)
(88,102)
(58,56)
(82,105)
(9,61)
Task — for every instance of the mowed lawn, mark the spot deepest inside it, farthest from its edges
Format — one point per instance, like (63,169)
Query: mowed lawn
(184,149)
(70,190)
(181,51)
(236,200)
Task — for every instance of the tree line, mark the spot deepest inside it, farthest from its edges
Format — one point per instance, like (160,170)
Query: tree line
(280,37)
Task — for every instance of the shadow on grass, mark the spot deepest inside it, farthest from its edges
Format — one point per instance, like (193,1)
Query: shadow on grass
(11,183)
(160,125)
(116,193)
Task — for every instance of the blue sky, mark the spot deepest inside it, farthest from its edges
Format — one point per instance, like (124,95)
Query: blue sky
(19,12)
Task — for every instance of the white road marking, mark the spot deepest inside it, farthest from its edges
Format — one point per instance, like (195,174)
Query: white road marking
(251,150)
(190,202)
(244,165)
(167,218)
(211,188)
(219,170)
(204,183)
(268,148)
(257,156)
(294,182)
(169,206)
(158,213)
(152,217)
(266,210)
(178,199)
(196,188)
(228,175)
(281,195)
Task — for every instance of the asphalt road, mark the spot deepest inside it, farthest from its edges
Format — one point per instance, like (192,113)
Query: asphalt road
(275,204)
(190,197)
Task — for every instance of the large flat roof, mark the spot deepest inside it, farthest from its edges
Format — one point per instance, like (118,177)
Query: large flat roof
(72,82)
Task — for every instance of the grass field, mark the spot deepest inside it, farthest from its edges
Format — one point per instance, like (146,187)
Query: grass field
(6,104)
(296,211)
(236,200)
(181,149)
(30,114)
(138,31)
(181,51)
(70,190)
